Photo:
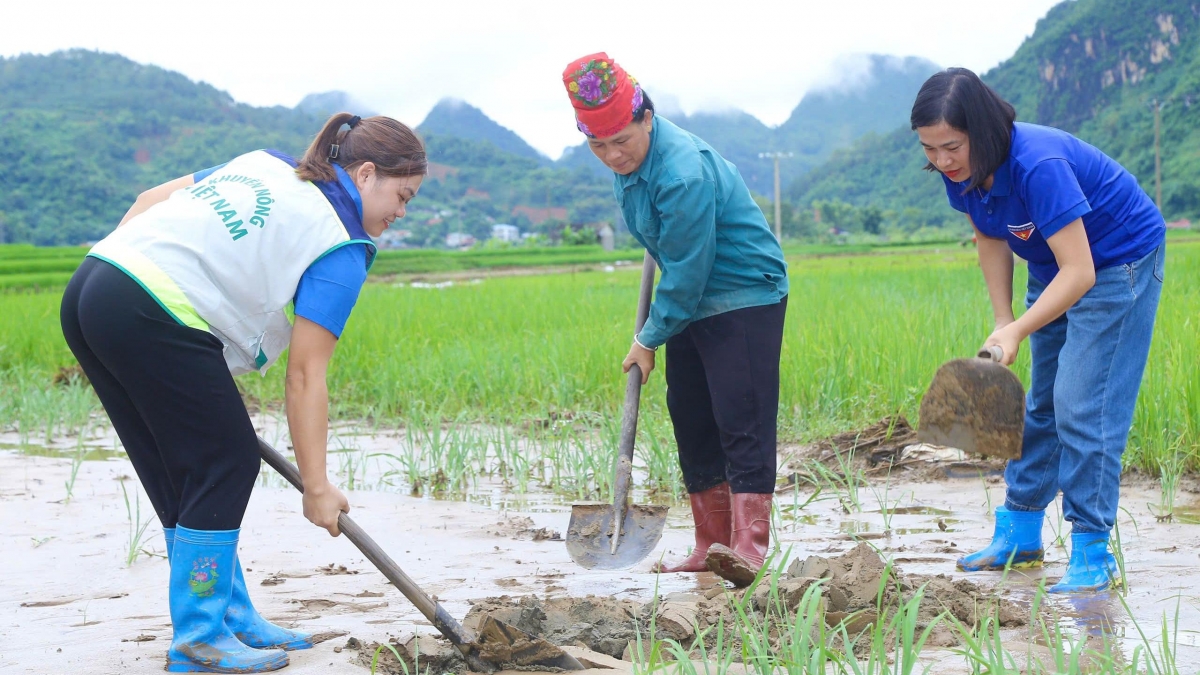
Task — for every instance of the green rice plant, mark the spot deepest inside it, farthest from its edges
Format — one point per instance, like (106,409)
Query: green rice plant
(511,349)
(845,483)
(76,463)
(885,507)
(1159,657)
(1171,466)
(1057,525)
(137,528)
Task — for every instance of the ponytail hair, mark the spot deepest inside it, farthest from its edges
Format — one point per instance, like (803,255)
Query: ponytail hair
(391,146)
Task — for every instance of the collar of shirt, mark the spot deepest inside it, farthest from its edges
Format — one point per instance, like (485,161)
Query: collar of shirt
(1001,183)
(643,171)
(348,185)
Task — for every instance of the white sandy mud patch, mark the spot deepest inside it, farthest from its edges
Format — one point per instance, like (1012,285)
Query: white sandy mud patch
(70,603)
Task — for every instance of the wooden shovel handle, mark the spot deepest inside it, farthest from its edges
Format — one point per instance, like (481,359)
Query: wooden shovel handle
(437,615)
(993,353)
(629,411)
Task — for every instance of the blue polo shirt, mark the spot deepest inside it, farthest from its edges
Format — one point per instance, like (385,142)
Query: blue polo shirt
(1048,181)
(329,288)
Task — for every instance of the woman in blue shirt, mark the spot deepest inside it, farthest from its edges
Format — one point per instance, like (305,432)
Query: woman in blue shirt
(718,307)
(191,289)
(1095,246)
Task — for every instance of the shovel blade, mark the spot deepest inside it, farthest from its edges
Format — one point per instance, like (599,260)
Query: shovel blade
(507,646)
(977,406)
(589,535)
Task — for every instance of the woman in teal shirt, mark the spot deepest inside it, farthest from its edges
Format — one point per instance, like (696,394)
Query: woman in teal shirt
(718,307)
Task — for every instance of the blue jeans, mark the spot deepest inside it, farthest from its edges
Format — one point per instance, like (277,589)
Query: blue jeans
(1087,368)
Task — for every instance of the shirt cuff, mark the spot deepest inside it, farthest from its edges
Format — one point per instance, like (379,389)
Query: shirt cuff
(639,343)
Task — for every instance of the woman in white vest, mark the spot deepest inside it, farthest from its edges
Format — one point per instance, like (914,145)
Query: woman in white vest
(190,290)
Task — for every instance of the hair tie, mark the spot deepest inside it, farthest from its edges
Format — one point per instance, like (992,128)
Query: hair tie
(354,121)
(333,151)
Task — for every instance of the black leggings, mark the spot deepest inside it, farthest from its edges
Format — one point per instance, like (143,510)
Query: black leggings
(169,395)
(723,396)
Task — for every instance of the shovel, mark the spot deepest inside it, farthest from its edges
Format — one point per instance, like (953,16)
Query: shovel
(497,644)
(617,535)
(976,405)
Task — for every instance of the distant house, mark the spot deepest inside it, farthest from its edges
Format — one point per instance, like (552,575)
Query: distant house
(1181,224)
(607,237)
(393,238)
(472,192)
(459,240)
(537,216)
(505,232)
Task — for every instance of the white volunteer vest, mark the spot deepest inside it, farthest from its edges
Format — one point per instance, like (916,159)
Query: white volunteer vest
(226,254)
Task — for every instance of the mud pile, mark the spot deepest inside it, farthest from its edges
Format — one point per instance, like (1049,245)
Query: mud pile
(523,527)
(600,623)
(888,447)
(850,592)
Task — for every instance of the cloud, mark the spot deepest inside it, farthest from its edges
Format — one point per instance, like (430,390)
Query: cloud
(507,58)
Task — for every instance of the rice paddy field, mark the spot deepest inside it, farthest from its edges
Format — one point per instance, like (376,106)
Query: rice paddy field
(864,335)
(515,379)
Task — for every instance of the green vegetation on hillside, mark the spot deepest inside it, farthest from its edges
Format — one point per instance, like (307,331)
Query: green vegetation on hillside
(85,132)
(1092,67)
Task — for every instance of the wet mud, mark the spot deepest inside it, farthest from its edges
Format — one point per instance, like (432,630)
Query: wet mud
(854,589)
(920,509)
(884,450)
(523,528)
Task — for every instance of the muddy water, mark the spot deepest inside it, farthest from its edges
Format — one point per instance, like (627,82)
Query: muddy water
(69,603)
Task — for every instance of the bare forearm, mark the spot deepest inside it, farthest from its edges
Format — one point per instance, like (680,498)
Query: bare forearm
(996,261)
(308,422)
(1067,287)
(155,195)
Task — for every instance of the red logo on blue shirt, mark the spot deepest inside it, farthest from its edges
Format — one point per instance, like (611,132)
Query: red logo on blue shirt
(1022,232)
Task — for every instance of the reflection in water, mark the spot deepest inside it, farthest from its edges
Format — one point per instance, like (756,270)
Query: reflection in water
(1099,619)
(1099,615)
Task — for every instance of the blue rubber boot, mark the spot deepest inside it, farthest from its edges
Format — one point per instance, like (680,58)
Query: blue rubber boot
(1092,567)
(202,573)
(245,621)
(249,626)
(1016,542)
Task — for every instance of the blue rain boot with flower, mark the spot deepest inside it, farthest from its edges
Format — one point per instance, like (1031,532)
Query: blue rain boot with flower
(1092,567)
(245,621)
(1017,542)
(202,574)
(249,626)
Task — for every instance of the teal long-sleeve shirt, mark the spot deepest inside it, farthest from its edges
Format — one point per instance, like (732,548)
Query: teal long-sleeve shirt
(692,211)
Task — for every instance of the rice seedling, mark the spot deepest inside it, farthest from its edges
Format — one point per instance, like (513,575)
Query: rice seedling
(1057,525)
(76,463)
(516,349)
(1171,466)
(137,527)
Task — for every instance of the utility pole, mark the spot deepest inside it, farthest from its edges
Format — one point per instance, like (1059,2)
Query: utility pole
(1157,156)
(778,204)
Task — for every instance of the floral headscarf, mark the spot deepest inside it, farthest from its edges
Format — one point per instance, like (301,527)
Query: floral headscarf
(603,94)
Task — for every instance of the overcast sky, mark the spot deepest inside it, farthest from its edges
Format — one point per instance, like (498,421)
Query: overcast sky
(506,56)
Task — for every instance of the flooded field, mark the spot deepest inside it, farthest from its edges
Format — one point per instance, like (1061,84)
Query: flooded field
(71,600)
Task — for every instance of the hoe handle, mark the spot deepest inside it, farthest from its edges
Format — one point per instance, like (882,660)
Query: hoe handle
(992,353)
(629,412)
(437,615)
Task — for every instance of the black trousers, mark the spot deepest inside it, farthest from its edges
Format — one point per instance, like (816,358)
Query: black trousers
(723,396)
(170,396)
